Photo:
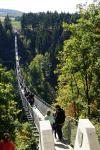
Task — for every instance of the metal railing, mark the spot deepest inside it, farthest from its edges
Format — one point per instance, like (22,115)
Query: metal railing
(21,86)
(29,109)
(41,105)
(70,130)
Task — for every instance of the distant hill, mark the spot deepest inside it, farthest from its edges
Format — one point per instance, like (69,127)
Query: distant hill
(11,13)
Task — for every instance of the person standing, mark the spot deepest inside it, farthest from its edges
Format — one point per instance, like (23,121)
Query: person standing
(50,118)
(6,143)
(59,121)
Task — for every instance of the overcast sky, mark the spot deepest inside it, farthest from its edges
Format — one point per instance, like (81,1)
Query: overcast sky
(42,5)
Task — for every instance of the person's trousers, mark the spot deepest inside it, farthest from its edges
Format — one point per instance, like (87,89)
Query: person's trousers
(59,131)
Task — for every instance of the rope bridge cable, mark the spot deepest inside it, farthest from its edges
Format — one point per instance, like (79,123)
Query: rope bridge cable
(38,101)
(31,115)
(70,125)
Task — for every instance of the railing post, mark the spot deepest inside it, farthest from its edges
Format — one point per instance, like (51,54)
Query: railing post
(86,138)
(46,136)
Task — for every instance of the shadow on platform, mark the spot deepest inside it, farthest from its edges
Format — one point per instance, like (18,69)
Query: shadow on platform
(61,146)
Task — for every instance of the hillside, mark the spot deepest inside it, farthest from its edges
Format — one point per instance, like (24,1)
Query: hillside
(11,13)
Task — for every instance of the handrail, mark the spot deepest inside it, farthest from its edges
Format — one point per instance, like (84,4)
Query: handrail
(42,105)
(27,106)
(21,86)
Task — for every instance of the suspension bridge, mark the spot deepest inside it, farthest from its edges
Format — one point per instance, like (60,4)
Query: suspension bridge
(78,135)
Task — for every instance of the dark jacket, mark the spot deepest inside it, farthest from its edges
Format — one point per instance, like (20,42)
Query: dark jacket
(59,116)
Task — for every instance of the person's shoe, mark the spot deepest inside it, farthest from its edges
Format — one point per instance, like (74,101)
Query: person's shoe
(58,140)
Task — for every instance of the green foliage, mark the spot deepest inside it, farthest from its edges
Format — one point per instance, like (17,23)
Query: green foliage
(43,33)
(96,123)
(20,132)
(79,65)
(8,108)
(24,138)
(16,24)
(7,24)
(42,38)
(37,75)
(7,43)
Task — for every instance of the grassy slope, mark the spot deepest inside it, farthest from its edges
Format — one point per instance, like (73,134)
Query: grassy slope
(15,24)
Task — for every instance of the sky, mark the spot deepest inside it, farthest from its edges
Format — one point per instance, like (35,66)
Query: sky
(42,5)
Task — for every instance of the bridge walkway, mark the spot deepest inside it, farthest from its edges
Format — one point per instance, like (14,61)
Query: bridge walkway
(39,117)
(36,113)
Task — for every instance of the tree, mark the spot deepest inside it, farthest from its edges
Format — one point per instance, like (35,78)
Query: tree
(37,75)
(7,24)
(9,122)
(8,108)
(2,37)
(7,43)
(79,63)
(25,139)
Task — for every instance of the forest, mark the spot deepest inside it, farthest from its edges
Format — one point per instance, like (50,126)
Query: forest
(60,62)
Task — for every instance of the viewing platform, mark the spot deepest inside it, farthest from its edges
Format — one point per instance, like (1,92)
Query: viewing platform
(46,126)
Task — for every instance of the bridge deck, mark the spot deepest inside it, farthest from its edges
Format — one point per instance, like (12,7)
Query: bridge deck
(58,145)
